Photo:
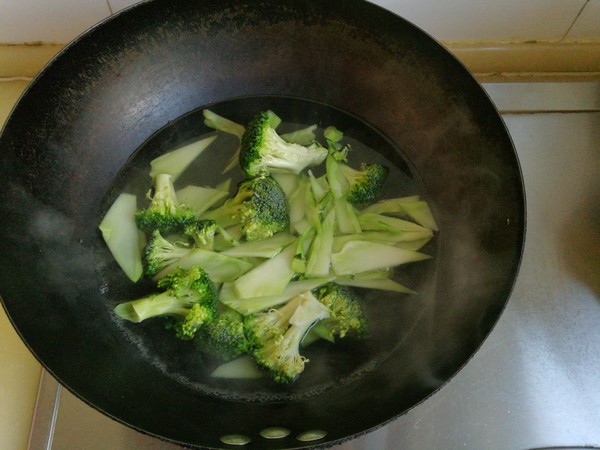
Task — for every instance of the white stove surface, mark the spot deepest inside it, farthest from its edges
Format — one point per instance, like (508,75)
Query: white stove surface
(535,382)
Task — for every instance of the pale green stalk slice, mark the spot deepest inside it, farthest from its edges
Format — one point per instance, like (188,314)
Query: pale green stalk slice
(219,267)
(268,278)
(246,306)
(363,256)
(383,284)
(200,198)
(304,136)
(123,238)
(262,248)
(239,368)
(175,162)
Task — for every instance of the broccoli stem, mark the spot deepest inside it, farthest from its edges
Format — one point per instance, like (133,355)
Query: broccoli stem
(346,217)
(379,280)
(155,305)
(253,305)
(200,198)
(264,248)
(219,267)
(379,222)
(303,136)
(121,234)
(175,162)
(268,278)
(319,258)
(220,123)
(363,256)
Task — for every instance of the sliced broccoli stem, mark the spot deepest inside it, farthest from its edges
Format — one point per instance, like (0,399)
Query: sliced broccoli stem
(364,256)
(219,267)
(177,161)
(268,278)
(253,305)
(156,305)
(220,123)
(319,258)
(122,236)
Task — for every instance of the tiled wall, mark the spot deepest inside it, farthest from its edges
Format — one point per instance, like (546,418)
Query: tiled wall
(59,21)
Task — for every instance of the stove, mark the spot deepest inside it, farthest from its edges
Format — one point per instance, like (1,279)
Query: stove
(535,382)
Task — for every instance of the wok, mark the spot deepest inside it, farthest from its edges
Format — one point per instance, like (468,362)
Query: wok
(134,86)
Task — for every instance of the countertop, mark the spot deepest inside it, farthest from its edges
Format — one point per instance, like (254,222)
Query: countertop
(535,381)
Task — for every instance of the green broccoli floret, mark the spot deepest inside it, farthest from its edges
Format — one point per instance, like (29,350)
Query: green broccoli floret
(263,151)
(160,252)
(259,206)
(188,296)
(202,232)
(347,317)
(164,213)
(275,336)
(359,186)
(223,337)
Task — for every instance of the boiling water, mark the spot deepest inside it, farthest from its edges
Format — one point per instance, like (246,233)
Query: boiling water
(392,316)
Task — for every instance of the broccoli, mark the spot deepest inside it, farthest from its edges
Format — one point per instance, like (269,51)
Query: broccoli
(202,232)
(159,253)
(188,296)
(359,186)
(275,336)
(223,337)
(263,151)
(259,205)
(347,317)
(164,213)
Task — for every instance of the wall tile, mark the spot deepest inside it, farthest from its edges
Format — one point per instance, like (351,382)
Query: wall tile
(482,20)
(587,25)
(488,20)
(48,20)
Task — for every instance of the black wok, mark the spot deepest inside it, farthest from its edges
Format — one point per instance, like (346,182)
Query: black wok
(133,86)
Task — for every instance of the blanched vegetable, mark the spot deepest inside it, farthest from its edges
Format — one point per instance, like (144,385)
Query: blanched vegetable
(122,236)
(281,255)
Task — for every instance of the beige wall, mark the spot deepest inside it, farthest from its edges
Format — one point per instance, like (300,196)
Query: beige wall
(59,21)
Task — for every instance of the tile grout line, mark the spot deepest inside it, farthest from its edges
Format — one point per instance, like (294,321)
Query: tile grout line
(9,79)
(564,36)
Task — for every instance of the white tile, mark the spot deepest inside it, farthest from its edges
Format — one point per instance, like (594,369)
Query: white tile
(487,20)
(587,25)
(118,5)
(544,97)
(58,21)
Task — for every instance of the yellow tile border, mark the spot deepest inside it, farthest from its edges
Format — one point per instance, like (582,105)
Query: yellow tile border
(533,61)
(25,60)
(489,61)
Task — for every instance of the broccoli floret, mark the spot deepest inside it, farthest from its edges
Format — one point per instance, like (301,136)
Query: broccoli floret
(275,336)
(202,232)
(347,317)
(188,296)
(259,206)
(159,253)
(359,186)
(263,151)
(223,337)
(164,213)
(365,183)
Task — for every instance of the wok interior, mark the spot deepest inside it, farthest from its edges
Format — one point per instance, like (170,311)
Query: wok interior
(134,86)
